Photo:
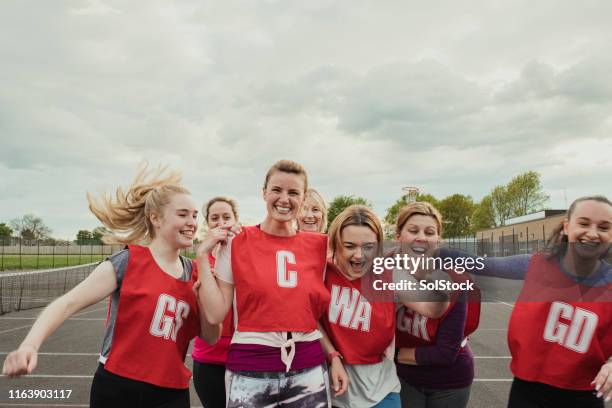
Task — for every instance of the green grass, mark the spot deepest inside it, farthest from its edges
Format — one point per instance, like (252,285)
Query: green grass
(29,262)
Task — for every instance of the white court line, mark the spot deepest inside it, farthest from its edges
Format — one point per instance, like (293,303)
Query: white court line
(91,311)
(15,328)
(34,318)
(59,354)
(91,376)
(52,376)
(504,303)
(68,354)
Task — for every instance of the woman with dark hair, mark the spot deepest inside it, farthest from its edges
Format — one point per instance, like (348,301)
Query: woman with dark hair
(220,214)
(560,331)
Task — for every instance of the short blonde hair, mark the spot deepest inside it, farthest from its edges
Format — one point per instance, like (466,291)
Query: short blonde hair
(129,213)
(315,195)
(358,215)
(287,166)
(420,208)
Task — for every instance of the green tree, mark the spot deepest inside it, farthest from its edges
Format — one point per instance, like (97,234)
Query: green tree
(30,226)
(84,237)
(339,203)
(98,234)
(457,212)
(482,217)
(5,234)
(525,194)
(501,205)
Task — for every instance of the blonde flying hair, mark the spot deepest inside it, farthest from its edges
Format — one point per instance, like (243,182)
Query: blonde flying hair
(358,215)
(315,195)
(287,166)
(129,213)
(420,208)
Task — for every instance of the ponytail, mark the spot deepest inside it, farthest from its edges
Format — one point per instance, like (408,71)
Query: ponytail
(128,215)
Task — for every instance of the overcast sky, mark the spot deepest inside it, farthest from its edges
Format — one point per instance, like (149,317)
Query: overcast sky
(450,96)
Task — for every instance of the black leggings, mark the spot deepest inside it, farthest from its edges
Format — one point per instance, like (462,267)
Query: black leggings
(109,390)
(209,383)
(527,394)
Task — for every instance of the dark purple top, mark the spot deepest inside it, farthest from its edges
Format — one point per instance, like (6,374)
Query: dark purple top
(445,364)
(257,357)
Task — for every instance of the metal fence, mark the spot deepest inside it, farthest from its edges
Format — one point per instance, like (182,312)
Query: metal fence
(507,245)
(27,290)
(16,254)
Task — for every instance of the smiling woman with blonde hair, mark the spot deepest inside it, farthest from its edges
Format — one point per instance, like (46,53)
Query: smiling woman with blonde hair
(159,315)
(313,215)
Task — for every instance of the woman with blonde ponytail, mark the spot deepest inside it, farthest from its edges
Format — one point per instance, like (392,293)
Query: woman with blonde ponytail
(146,339)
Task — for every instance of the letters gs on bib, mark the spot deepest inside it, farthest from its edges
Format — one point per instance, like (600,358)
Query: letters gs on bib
(164,325)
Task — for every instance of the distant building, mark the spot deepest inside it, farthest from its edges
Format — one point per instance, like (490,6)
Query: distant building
(524,234)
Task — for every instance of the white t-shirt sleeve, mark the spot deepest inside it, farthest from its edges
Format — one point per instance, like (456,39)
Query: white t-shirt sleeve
(223,263)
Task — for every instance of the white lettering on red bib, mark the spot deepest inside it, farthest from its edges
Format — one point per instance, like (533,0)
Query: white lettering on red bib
(349,308)
(575,335)
(164,325)
(286,279)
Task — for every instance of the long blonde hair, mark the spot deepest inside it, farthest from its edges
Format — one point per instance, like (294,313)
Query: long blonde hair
(129,213)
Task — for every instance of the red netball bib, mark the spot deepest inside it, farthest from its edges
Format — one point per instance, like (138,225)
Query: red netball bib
(361,330)
(279,280)
(157,318)
(558,338)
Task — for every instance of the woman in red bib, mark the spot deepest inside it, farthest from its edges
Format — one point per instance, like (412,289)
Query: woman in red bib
(220,214)
(361,323)
(560,331)
(276,273)
(153,309)
(434,360)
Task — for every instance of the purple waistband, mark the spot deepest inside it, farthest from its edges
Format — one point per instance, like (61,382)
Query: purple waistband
(256,357)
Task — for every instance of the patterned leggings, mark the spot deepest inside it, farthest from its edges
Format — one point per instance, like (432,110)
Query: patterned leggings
(307,388)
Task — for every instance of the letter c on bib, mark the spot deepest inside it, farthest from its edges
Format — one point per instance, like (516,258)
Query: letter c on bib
(285,278)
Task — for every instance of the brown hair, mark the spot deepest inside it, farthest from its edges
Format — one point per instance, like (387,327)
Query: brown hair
(315,195)
(421,208)
(232,203)
(556,245)
(359,215)
(129,213)
(287,166)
